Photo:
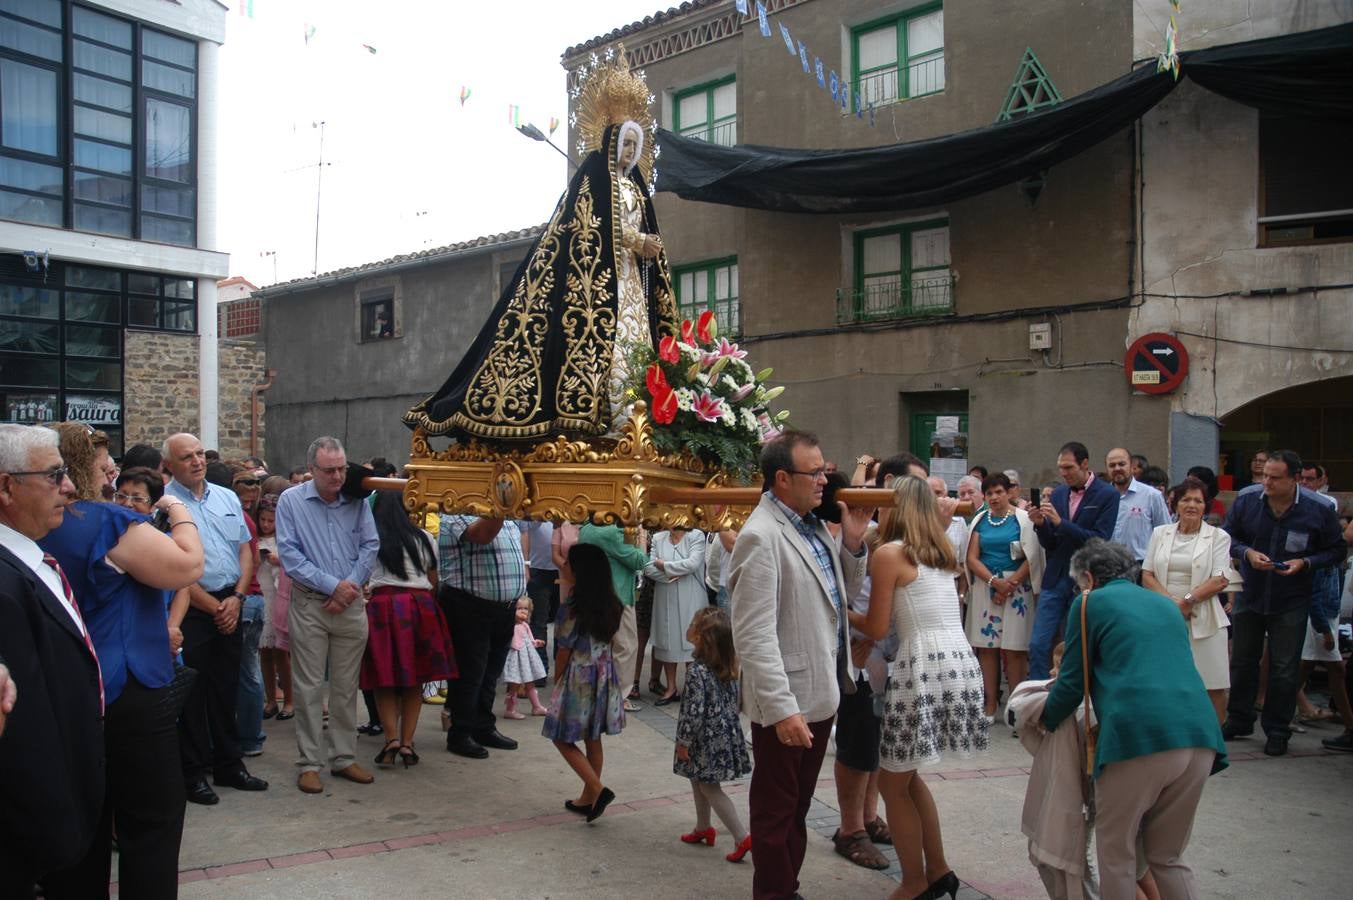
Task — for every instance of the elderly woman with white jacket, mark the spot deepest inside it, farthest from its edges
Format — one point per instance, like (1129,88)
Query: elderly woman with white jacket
(677,566)
(1005,565)
(1189,561)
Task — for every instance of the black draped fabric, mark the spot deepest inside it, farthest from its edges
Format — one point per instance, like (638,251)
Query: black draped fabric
(540,364)
(1310,73)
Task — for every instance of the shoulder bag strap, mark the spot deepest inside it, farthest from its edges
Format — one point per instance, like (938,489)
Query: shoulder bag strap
(1091,732)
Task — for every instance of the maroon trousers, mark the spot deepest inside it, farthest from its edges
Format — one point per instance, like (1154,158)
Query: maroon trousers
(783,781)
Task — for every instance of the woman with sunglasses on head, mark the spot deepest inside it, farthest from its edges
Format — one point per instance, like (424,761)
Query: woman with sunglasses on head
(119,566)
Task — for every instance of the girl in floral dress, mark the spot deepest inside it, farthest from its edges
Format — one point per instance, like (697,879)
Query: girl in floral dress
(710,747)
(588,700)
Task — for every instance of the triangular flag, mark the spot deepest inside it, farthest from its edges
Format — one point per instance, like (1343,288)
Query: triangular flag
(742,7)
(803,56)
(513,114)
(817,66)
(836,85)
(369,49)
(554,124)
(309,33)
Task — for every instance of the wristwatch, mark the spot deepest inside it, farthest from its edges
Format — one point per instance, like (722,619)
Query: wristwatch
(1188,598)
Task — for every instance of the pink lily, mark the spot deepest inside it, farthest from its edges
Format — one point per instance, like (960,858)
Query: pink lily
(742,392)
(730,350)
(707,407)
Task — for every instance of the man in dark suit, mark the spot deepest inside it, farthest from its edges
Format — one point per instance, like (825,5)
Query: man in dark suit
(1082,508)
(51,753)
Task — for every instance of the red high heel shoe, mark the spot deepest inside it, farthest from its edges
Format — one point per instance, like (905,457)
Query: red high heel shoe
(696,837)
(743,848)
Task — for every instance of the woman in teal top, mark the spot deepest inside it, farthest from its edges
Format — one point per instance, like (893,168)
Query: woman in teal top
(1158,735)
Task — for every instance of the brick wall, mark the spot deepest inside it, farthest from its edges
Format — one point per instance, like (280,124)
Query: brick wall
(161,391)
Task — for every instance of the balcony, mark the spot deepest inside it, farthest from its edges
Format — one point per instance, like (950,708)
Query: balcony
(881,87)
(725,133)
(922,296)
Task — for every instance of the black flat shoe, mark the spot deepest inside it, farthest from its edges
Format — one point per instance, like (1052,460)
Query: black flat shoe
(269,712)
(496,740)
(576,808)
(599,806)
(200,792)
(667,701)
(464,745)
(241,781)
(370,728)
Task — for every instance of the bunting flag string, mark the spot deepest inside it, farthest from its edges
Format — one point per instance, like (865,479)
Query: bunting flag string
(789,41)
(761,18)
(464,95)
(803,57)
(554,125)
(742,7)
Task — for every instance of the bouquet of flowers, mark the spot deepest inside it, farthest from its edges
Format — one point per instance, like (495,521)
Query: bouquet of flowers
(704,397)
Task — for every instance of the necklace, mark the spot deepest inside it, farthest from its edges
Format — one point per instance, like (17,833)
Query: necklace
(995,523)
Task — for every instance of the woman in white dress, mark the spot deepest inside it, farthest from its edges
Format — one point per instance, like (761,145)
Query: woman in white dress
(934,697)
(1188,562)
(677,566)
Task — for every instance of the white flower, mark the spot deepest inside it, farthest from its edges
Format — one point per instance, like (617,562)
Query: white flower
(685,399)
(748,420)
(728,418)
(690,351)
(729,382)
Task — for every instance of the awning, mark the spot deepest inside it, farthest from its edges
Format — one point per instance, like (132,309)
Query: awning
(1303,74)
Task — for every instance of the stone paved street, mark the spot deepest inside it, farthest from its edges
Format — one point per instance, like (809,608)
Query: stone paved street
(452,827)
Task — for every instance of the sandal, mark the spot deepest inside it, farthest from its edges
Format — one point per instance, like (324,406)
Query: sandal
(859,849)
(655,687)
(634,692)
(286,714)
(878,831)
(1318,717)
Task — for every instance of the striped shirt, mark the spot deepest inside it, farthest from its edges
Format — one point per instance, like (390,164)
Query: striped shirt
(494,571)
(808,527)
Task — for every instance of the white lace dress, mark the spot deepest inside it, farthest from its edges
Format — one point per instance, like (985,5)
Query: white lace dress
(934,699)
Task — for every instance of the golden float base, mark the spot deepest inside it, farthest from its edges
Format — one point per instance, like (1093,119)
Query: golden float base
(605,480)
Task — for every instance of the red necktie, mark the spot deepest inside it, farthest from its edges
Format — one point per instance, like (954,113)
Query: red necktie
(70,598)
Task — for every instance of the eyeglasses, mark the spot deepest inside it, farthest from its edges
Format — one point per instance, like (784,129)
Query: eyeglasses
(331,470)
(55,476)
(247,482)
(815,474)
(130,498)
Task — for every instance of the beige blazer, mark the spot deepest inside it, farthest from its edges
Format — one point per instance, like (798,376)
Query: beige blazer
(785,629)
(1211,556)
(1028,541)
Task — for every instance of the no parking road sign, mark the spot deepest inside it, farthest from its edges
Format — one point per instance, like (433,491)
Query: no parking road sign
(1156,363)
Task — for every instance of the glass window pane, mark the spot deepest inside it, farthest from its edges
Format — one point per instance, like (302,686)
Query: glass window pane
(47,12)
(103,157)
(168,140)
(25,371)
(30,39)
(104,221)
(170,49)
(930,248)
(28,408)
(103,28)
(94,376)
(883,253)
(28,97)
(105,125)
(182,288)
(167,231)
(725,100)
(141,283)
(693,109)
(721,283)
(102,92)
(91,340)
(168,78)
(701,296)
(733,280)
(180,317)
(82,307)
(102,61)
(30,176)
(926,74)
(93,279)
(877,48)
(28,208)
(143,311)
(168,200)
(102,188)
(35,303)
(925,33)
(29,337)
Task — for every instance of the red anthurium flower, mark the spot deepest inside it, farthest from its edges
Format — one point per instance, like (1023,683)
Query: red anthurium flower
(668,350)
(702,326)
(656,380)
(688,332)
(665,407)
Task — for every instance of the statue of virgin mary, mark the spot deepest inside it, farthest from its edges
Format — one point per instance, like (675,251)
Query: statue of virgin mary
(552,357)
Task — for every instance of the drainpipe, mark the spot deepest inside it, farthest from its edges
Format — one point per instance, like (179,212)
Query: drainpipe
(253,409)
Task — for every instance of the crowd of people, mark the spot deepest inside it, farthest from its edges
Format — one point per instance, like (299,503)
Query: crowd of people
(153,616)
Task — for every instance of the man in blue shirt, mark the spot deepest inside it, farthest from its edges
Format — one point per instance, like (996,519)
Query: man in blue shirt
(327,544)
(1281,536)
(212,640)
(1082,508)
(1141,508)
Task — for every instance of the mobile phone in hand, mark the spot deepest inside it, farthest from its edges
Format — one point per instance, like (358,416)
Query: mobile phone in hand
(1281,566)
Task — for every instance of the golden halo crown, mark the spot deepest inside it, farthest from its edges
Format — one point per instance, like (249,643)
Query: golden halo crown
(607,92)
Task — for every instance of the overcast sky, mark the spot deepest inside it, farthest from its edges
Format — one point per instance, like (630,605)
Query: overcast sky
(406,166)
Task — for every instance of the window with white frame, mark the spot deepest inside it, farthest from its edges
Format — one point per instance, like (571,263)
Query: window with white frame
(899,57)
(709,111)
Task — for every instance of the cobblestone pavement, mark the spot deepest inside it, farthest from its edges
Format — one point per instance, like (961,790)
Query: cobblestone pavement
(452,827)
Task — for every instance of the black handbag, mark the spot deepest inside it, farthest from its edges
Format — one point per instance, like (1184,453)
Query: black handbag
(174,695)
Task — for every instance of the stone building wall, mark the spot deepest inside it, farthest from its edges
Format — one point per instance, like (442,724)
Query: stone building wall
(161,390)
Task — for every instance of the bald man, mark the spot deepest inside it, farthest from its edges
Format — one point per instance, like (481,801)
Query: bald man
(1141,508)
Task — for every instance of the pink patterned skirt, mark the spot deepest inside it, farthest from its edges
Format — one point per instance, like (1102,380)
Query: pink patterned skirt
(408,643)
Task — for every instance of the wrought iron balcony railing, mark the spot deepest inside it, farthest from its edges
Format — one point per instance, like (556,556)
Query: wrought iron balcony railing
(930,296)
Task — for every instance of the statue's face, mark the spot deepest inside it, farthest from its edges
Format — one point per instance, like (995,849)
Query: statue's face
(627,149)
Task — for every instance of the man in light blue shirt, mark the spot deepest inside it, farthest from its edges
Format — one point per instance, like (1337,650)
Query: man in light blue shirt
(1141,508)
(327,543)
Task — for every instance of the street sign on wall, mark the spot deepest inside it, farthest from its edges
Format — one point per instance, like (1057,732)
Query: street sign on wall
(1156,363)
